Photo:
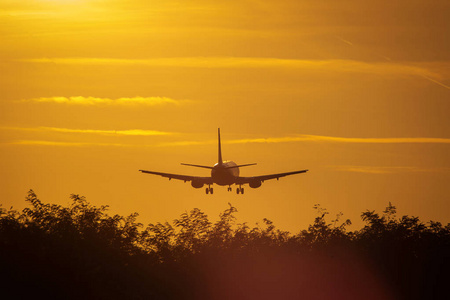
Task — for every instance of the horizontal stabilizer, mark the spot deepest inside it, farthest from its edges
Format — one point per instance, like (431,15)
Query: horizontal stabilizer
(238,166)
(198,166)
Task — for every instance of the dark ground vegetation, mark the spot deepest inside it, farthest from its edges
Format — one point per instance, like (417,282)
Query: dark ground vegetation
(80,251)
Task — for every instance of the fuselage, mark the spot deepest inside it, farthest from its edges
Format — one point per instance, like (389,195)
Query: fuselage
(225,173)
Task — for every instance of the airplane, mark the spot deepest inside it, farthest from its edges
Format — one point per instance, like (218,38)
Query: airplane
(223,173)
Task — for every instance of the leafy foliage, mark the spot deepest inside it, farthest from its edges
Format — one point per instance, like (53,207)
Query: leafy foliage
(82,251)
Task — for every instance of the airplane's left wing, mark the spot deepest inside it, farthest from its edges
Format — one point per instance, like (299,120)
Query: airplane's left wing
(204,180)
(244,180)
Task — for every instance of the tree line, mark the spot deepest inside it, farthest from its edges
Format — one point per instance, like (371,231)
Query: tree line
(80,251)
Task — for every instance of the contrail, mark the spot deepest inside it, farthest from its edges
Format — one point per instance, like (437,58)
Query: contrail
(343,40)
(435,81)
(390,60)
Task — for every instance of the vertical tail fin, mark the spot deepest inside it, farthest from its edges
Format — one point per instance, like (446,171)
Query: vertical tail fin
(220,150)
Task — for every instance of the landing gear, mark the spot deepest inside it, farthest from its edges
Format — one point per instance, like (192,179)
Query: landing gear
(240,190)
(229,189)
(209,190)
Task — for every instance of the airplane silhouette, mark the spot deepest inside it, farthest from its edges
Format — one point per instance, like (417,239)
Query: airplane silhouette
(223,173)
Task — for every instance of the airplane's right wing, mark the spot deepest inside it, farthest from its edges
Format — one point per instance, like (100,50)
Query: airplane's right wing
(244,180)
(198,179)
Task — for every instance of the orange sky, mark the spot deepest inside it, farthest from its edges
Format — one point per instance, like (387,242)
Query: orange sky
(356,92)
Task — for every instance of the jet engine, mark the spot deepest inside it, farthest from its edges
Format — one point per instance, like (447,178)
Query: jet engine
(196,184)
(255,184)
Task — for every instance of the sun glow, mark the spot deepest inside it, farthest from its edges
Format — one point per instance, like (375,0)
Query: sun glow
(65,1)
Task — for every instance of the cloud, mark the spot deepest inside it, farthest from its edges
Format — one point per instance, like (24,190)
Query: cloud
(80,100)
(130,132)
(336,65)
(318,138)
(388,170)
(412,140)
(62,144)
(289,139)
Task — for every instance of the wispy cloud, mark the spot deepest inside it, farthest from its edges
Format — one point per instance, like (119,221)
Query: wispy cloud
(80,100)
(388,170)
(337,65)
(130,132)
(63,144)
(411,140)
(290,139)
(318,138)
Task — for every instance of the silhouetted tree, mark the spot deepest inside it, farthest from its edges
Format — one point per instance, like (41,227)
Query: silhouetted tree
(80,251)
